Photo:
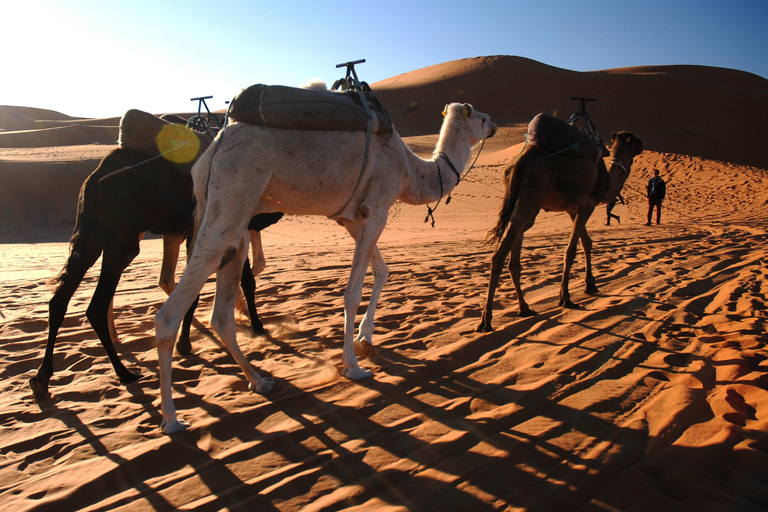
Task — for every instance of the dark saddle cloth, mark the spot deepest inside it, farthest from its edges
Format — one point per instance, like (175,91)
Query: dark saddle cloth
(553,134)
(166,135)
(279,106)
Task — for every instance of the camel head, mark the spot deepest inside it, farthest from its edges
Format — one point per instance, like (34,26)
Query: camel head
(625,146)
(463,121)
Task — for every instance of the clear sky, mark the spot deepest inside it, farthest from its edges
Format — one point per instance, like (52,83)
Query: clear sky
(99,58)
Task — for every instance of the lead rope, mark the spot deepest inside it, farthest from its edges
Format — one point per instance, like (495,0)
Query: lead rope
(459,177)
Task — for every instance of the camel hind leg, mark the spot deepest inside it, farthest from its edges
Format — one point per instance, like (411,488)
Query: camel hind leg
(217,242)
(223,317)
(117,256)
(523,217)
(84,252)
(497,264)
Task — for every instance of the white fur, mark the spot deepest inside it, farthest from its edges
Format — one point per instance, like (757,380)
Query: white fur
(254,169)
(315,85)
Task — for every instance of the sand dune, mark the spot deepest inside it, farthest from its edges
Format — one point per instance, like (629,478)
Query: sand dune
(694,110)
(652,395)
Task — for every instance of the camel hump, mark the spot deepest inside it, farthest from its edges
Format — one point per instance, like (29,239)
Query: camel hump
(280,106)
(553,134)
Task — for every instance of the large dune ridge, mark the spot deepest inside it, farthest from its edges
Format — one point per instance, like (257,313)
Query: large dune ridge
(710,112)
(651,396)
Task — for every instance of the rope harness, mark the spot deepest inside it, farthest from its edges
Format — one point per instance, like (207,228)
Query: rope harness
(459,177)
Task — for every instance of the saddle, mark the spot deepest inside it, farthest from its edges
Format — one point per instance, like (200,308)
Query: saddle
(553,134)
(280,106)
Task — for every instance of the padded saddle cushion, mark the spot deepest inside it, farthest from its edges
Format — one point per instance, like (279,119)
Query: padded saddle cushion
(280,106)
(553,134)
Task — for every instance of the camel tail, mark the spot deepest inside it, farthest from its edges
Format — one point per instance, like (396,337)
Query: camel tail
(85,245)
(201,173)
(514,176)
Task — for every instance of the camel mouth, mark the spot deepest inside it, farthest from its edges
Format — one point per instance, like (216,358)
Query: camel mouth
(494,128)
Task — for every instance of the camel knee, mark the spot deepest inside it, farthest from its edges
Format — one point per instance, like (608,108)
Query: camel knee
(164,330)
(259,264)
(166,283)
(229,255)
(352,299)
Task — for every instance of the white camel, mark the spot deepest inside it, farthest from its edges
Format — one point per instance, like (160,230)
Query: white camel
(253,169)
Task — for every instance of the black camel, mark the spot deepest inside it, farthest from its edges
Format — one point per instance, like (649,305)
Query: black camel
(127,195)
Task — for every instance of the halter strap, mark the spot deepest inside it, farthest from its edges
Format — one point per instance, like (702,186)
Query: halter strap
(450,164)
(617,162)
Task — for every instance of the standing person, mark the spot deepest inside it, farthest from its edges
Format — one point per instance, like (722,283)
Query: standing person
(657,190)
(609,209)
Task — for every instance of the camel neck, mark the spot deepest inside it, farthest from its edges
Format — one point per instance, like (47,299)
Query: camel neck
(618,175)
(431,180)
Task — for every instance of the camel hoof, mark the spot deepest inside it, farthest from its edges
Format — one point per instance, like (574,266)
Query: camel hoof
(527,312)
(258,329)
(484,327)
(39,389)
(264,386)
(356,373)
(128,377)
(184,347)
(173,426)
(568,305)
(364,349)
(591,290)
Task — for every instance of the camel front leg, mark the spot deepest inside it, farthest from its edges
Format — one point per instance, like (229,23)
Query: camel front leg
(497,264)
(259,263)
(589,279)
(579,220)
(364,340)
(366,233)
(171,250)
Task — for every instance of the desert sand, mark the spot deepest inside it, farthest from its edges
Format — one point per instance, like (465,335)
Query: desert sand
(651,396)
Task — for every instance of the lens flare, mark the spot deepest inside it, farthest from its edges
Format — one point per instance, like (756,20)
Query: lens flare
(178,143)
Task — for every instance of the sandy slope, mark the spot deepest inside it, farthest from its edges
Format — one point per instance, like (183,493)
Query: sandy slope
(653,395)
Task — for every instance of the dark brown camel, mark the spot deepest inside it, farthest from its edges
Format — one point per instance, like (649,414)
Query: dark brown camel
(127,195)
(541,179)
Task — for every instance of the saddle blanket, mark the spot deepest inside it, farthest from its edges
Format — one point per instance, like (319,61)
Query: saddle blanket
(553,134)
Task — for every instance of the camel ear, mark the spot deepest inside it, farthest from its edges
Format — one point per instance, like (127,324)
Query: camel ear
(467,110)
(445,110)
(613,137)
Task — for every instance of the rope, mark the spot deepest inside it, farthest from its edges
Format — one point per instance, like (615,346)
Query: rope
(459,177)
(176,147)
(430,210)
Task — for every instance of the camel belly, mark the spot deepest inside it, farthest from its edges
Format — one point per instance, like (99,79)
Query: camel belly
(304,198)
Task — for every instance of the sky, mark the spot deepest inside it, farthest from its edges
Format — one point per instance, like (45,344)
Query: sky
(99,58)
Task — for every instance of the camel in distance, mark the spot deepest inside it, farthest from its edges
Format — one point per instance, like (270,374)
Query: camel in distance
(541,179)
(253,169)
